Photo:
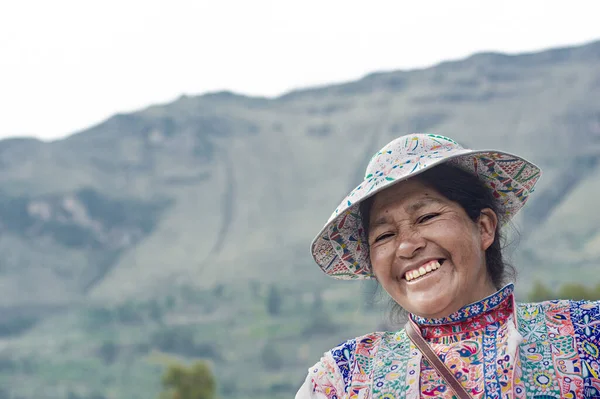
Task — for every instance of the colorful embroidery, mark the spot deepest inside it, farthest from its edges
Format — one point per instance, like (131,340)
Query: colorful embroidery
(586,323)
(472,311)
(340,249)
(539,375)
(343,356)
(490,355)
(390,367)
(566,360)
(557,347)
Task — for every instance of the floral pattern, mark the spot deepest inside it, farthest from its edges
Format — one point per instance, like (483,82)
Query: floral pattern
(495,348)
(340,247)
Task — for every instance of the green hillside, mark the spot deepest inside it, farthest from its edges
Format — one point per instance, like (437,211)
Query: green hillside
(182,230)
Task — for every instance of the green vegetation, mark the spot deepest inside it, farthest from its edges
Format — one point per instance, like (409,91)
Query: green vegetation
(574,291)
(182,230)
(181,340)
(125,345)
(274,300)
(194,382)
(255,352)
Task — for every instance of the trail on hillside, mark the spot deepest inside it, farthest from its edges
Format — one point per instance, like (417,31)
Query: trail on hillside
(227,209)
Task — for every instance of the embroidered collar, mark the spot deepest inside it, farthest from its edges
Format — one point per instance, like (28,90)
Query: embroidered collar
(468,312)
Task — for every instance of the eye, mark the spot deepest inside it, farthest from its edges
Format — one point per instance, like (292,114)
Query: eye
(427,217)
(383,237)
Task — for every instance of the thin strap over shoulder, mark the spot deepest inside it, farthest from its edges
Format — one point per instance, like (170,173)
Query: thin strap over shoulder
(415,336)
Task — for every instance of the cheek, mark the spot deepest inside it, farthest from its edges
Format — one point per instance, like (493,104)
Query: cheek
(460,242)
(453,237)
(381,259)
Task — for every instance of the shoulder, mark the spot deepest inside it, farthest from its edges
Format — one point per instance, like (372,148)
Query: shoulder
(370,340)
(333,372)
(557,319)
(344,355)
(557,305)
(559,311)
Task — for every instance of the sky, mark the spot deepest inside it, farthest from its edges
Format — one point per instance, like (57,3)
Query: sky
(66,65)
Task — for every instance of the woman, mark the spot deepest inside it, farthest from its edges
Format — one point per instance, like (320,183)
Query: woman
(426,224)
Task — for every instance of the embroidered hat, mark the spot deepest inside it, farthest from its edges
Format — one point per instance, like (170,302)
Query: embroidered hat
(341,248)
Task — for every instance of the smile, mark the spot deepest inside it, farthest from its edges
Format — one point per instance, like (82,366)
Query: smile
(424,270)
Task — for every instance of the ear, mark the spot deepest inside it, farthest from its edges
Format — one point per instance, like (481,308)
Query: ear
(488,221)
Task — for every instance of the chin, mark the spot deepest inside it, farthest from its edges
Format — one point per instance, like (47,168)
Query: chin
(432,297)
(431,309)
(429,304)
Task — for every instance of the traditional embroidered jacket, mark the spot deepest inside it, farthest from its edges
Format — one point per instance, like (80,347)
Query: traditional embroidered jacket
(494,347)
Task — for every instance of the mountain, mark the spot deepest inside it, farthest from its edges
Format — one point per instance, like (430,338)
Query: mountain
(166,230)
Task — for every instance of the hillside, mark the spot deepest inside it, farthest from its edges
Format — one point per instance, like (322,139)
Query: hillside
(166,230)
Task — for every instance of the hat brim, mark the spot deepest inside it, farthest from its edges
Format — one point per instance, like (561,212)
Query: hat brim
(337,244)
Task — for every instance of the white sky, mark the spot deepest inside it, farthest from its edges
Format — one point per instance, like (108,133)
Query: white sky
(68,64)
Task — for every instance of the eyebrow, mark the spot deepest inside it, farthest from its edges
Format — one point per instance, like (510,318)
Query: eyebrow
(412,208)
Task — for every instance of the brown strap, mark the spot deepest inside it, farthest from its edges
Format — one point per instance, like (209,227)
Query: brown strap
(415,336)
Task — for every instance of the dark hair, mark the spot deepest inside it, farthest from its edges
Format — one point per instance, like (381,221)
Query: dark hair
(472,195)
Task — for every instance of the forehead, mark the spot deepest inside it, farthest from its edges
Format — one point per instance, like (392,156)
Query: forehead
(406,195)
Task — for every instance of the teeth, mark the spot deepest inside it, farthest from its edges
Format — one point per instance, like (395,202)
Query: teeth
(431,266)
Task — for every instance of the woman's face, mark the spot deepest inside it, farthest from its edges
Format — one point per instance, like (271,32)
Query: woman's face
(426,252)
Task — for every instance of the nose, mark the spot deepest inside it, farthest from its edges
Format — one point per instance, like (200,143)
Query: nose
(409,244)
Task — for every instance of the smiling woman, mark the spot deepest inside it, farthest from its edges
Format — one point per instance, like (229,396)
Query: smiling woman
(449,269)
(426,224)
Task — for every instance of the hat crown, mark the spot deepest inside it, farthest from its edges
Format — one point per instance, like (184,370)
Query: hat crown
(406,150)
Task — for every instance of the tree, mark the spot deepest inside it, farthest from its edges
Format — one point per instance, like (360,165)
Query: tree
(577,291)
(540,293)
(573,291)
(274,299)
(597,290)
(194,382)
